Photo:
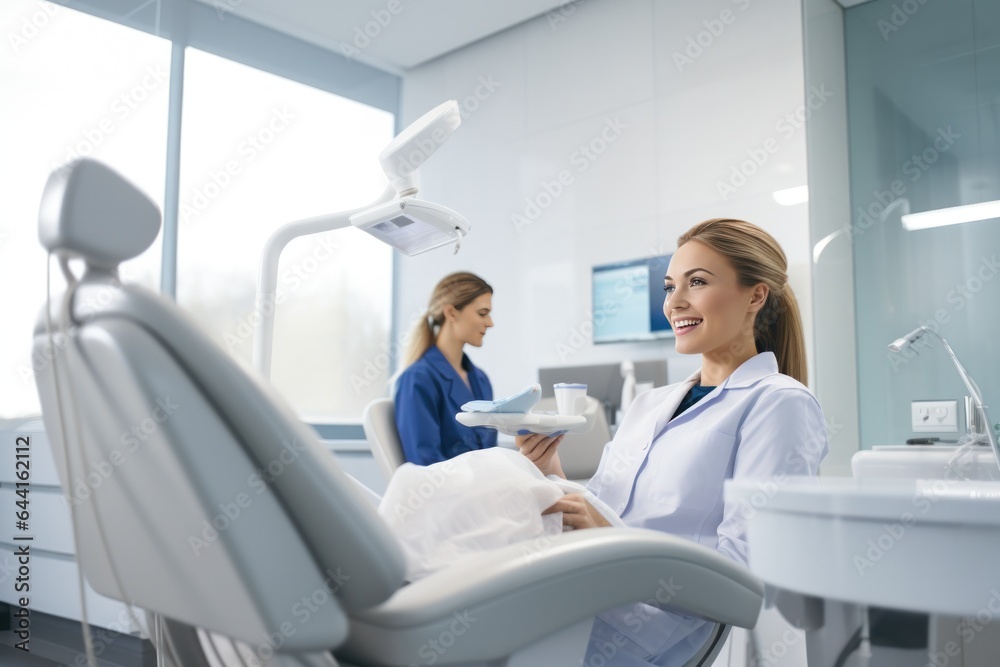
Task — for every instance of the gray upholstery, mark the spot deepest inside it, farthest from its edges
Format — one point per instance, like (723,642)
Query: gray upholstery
(268,430)
(379,421)
(130,350)
(130,386)
(83,200)
(160,496)
(525,592)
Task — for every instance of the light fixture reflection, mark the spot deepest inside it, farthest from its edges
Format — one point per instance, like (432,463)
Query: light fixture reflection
(953,215)
(792,196)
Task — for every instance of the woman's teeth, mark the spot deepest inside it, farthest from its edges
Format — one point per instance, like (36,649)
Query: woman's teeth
(686,324)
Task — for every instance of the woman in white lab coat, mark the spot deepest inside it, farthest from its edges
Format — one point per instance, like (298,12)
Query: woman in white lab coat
(745,414)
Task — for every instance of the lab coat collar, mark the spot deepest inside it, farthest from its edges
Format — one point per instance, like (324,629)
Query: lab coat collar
(749,373)
(752,371)
(673,401)
(457,389)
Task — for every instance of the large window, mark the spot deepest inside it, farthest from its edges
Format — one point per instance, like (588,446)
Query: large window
(258,151)
(72,86)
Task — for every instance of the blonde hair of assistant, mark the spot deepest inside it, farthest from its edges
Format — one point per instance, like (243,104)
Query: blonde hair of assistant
(458,290)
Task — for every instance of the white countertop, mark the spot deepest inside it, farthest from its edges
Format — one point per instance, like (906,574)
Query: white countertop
(922,545)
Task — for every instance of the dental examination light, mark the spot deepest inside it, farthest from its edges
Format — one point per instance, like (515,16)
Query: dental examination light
(901,344)
(396,217)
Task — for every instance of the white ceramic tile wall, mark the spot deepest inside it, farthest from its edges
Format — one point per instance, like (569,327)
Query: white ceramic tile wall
(558,85)
(596,61)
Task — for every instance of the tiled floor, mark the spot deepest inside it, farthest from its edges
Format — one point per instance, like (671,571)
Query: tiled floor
(12,657)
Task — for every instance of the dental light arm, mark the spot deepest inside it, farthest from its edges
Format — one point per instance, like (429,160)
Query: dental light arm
(265,303)
(901,344)
(396,218)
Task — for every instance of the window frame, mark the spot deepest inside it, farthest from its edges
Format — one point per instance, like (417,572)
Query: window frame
(217,30)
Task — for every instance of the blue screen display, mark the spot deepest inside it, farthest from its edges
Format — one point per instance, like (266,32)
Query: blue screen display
(628,300)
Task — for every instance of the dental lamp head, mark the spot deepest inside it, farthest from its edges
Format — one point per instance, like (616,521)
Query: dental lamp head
(397,218)
(412,225)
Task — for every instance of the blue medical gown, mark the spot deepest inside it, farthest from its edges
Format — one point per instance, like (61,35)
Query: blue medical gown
(666,473)
(428,396)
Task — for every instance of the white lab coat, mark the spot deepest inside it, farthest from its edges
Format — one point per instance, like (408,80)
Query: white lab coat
(668,474)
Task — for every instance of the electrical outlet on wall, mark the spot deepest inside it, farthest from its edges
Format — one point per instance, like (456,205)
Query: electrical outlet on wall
(934,416)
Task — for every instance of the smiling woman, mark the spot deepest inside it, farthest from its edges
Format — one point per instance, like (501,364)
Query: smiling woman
(746,414)
(731,299)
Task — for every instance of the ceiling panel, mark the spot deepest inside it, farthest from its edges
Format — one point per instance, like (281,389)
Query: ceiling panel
(393,35)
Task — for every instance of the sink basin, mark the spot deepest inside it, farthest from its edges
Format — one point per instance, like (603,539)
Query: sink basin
(914,544)
(974,463)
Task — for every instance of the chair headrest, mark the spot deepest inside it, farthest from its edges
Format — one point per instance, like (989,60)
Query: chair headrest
(90,211)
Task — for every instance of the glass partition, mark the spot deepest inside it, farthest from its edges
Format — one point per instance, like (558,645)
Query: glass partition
(923,83)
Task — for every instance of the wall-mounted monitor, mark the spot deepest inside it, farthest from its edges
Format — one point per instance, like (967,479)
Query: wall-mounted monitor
(628,300)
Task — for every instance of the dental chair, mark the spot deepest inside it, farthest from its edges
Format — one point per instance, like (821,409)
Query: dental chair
(379,421)
(229,521)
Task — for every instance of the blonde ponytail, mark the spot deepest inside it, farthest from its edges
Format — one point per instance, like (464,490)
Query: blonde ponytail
(778,329)
(421,338)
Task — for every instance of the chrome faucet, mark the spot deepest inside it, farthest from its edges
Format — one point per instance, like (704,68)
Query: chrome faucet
(977,419)
(974,427)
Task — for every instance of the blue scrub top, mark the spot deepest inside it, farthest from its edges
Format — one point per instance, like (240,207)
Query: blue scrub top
(428,396)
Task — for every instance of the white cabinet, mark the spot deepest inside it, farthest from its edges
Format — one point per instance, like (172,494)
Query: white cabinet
(52,566)
(52,577)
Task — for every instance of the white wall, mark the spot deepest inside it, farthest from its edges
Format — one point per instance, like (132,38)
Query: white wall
(559,81)
(836,381)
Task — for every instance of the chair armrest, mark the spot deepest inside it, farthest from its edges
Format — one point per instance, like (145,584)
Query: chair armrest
(492,605)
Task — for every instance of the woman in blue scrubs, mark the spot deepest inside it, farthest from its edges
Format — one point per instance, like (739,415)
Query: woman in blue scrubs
(746,414)
(439,377)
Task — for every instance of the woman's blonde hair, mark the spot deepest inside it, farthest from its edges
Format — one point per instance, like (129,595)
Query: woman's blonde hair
(458,290)
(757,258)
